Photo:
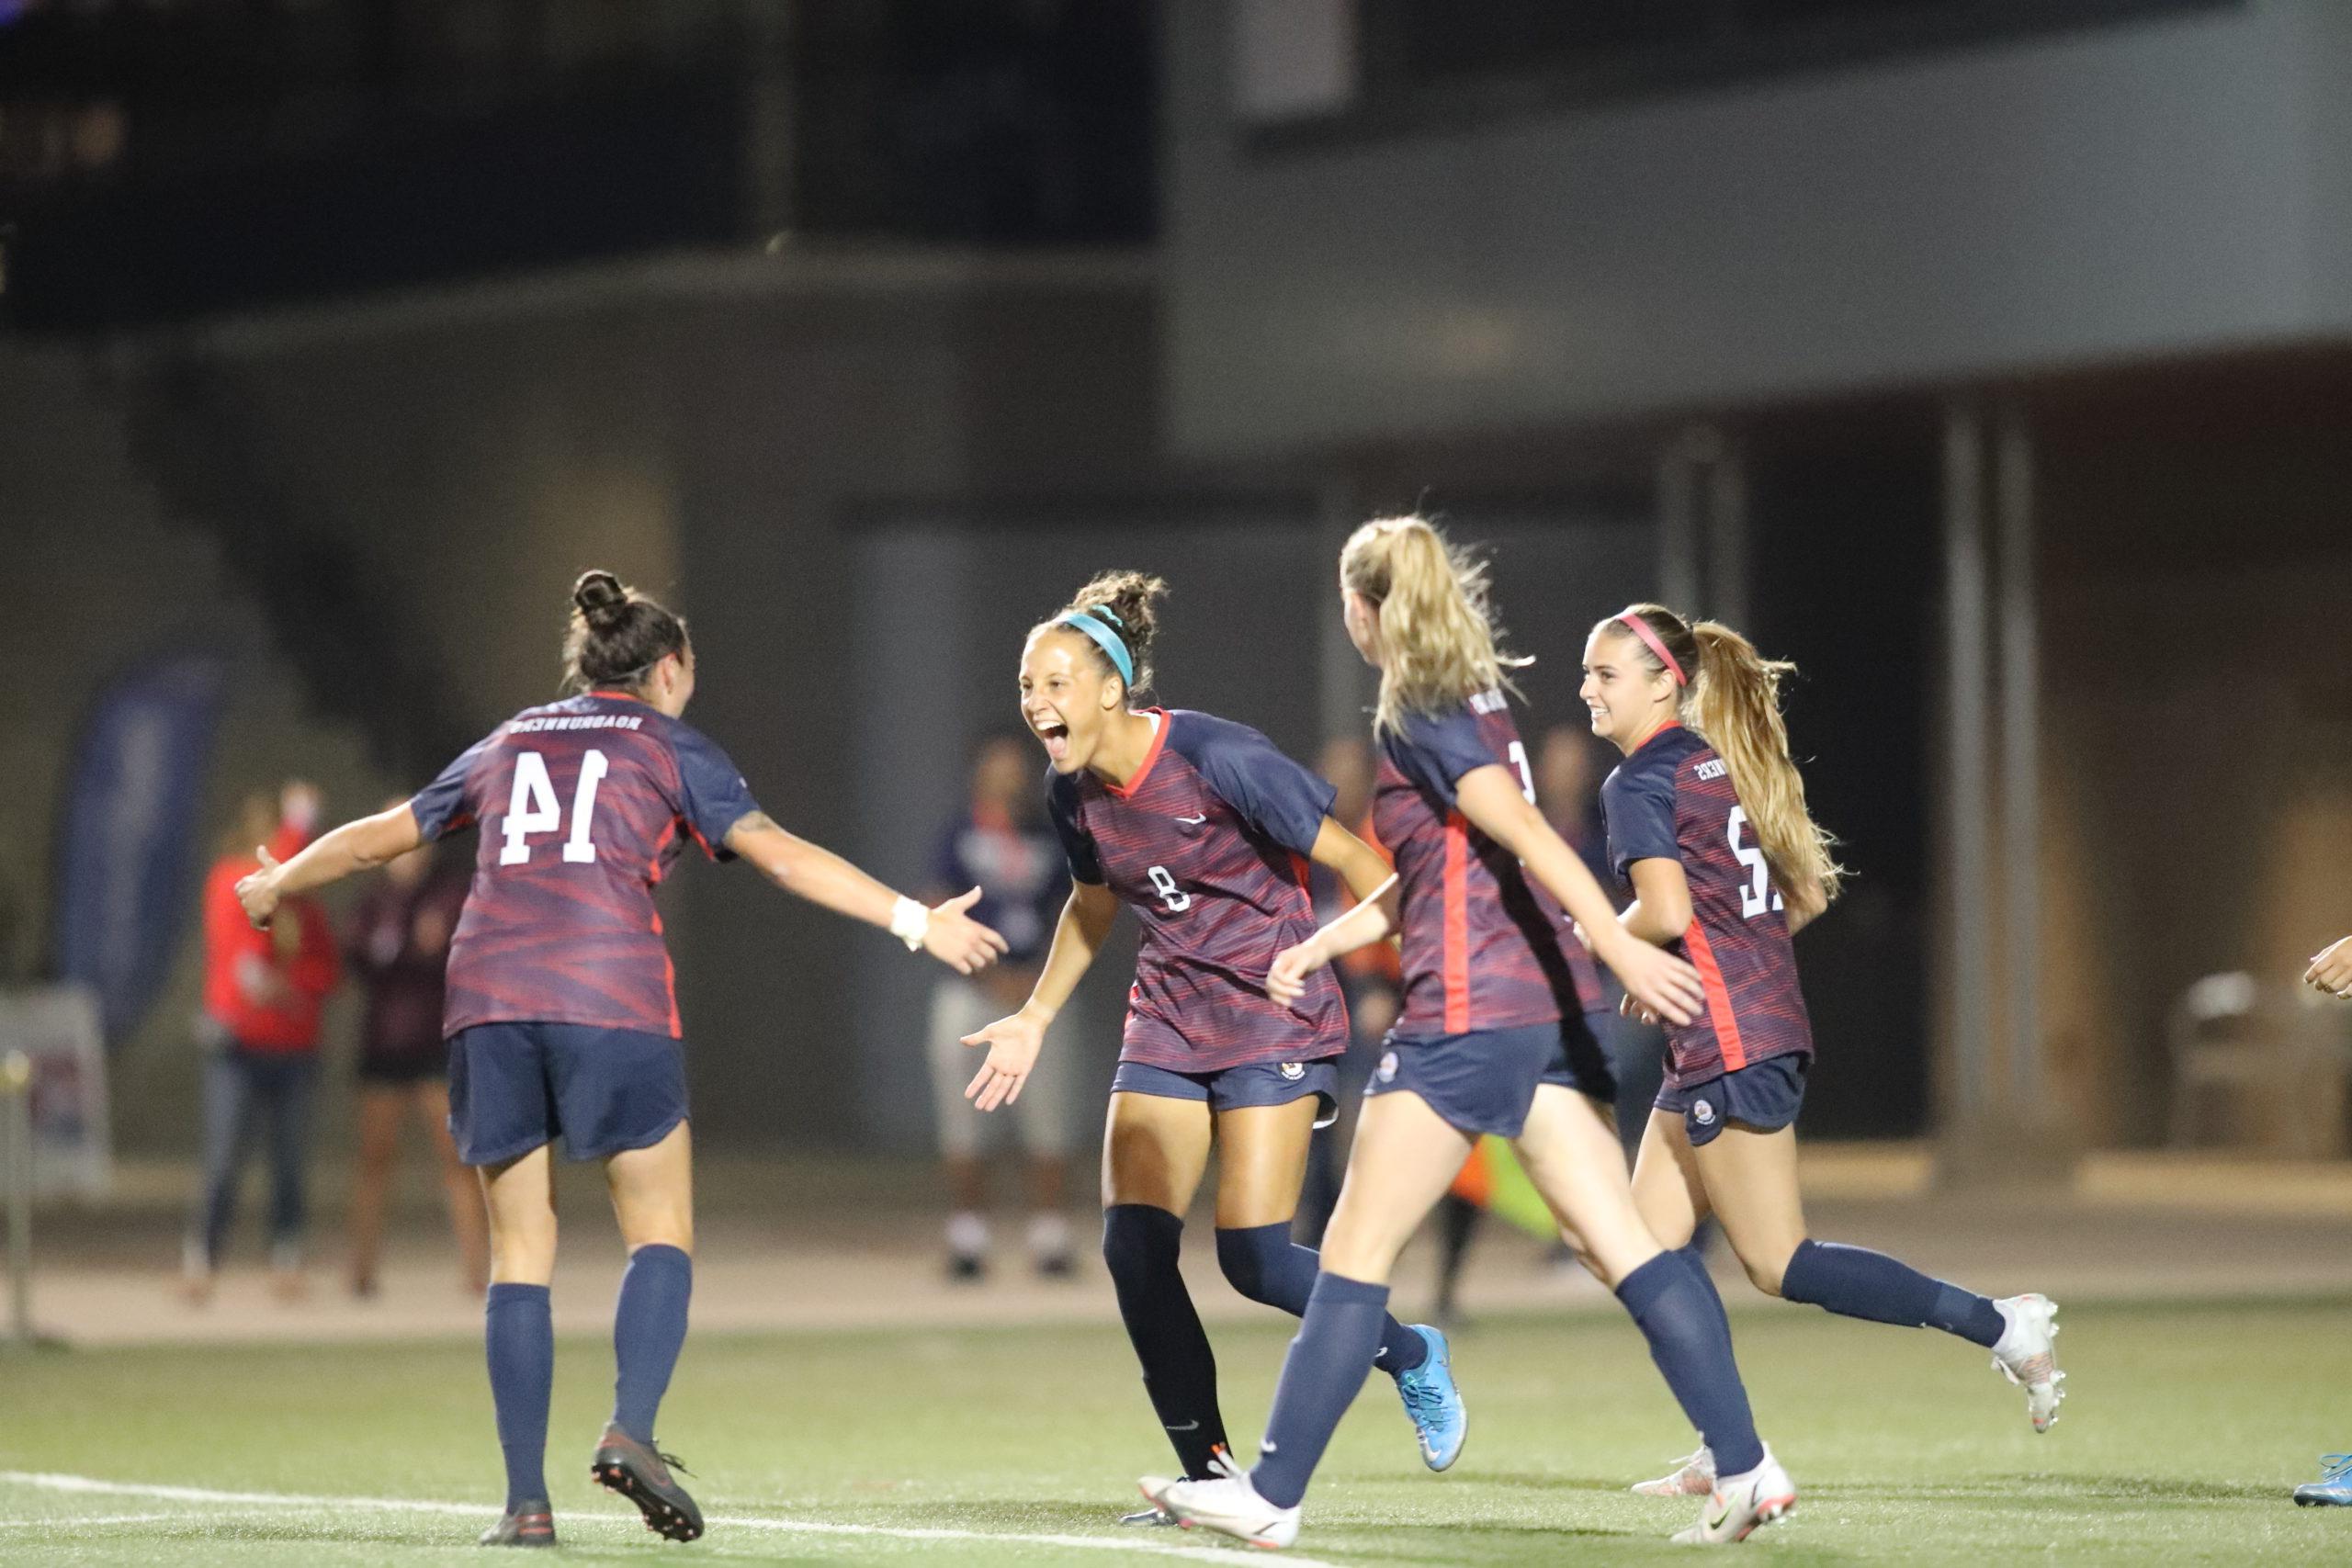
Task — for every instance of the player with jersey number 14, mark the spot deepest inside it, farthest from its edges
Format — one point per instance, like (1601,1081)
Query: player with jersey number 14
(561,1013)
(1708,827)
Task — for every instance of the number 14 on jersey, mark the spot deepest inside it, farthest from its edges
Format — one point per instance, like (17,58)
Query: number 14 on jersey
(532,808)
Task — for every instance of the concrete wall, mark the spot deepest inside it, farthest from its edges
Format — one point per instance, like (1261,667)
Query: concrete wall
(2158,189)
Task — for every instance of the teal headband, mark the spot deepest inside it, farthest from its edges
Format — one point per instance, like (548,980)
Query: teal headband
(1109,641)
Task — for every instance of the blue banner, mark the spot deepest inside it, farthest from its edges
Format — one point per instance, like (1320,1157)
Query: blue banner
(127,855)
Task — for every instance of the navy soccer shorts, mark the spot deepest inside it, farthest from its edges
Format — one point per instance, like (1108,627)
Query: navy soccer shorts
(1765,1098)
(515,1086)
(1236,1088)
(1485,1081)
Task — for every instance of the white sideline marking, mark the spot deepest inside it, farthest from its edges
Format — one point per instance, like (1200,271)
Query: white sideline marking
(92,1485)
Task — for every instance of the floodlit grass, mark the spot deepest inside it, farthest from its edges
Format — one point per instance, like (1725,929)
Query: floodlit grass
(2186,1427)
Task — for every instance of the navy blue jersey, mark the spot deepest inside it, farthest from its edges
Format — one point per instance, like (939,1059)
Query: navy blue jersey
(1672,799)
(583,804)
(1485,946)
(1209,843)
(1018,871)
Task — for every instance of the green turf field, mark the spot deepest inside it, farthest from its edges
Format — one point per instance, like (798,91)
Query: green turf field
(2185,1430)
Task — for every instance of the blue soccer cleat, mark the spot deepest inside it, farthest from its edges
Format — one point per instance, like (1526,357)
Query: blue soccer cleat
(1440,1420)
(2334,1487)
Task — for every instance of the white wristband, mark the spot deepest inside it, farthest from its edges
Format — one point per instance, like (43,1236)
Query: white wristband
(910,922)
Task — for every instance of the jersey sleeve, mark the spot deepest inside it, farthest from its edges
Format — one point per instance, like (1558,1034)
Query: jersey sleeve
(1639,805)
(1078,845)
(441,808)
(1281,799)
(1435,750)
(713,796)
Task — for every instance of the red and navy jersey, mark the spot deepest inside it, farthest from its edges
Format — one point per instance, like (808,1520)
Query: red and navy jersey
(1673,799)
(583,804)
(1209,843)
(1485,946)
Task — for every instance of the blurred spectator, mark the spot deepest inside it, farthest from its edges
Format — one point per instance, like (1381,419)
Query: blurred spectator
(1000,844)
(399,948)
(259,1029)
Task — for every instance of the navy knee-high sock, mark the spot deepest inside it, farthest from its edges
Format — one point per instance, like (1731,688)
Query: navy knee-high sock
(649,1329)
(1266,1266)
(1321,1375)
(1678,1311)
(1139,1246)
(520,1338)
(1854,1281)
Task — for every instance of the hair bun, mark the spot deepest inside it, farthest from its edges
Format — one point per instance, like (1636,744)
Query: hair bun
(600,597)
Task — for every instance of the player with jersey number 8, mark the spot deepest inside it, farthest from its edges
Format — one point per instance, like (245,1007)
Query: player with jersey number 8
(1708,827)
(562,1017)
(1206,830)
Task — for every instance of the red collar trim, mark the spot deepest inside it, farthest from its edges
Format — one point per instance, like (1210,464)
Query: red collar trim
(1158,744)
(1670,724)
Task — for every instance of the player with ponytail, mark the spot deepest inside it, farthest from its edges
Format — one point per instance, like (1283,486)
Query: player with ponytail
(1495,1039)
(561,1015)
(1708,826)
(1206,830)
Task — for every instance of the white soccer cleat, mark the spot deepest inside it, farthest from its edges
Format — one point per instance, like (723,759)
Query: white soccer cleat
(1229,1504)
(1693,1477)
(2025,1357)
(1740,1503)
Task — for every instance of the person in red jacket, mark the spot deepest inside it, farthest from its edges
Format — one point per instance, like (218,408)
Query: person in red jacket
(263,991)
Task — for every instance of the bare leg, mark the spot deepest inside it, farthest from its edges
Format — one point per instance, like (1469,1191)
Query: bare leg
(379,1134)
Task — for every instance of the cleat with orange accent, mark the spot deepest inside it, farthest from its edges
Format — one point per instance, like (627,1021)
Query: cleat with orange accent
(2026,1357)
(532,1524)
(1740,1504)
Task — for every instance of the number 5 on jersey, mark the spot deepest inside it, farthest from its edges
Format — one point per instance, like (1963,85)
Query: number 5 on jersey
(531,809)
(1753,893)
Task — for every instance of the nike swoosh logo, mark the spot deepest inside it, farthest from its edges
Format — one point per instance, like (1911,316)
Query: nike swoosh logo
(1193,821)
(1265,1448)
(1717,1522)
(1187,1426)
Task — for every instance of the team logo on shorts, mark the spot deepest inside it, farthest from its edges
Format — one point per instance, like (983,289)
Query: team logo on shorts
(1388,1068)
(1294,1071)
(1703,1113)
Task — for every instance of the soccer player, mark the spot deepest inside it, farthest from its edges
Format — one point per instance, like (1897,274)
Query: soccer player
(2331,972)
(1494,1039)
(562,1016)
(1206,830)
(1708,827)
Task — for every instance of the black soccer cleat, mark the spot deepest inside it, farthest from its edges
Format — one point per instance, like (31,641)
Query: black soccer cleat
(640,1473)
(532,1524)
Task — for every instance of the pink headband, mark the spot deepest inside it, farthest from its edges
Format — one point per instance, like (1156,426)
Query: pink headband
(1656,645)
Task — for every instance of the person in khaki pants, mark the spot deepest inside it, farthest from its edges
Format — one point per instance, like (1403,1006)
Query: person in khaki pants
(1000,844)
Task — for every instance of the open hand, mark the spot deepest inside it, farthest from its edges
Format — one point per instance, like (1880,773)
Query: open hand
(1013,1045)
(1661,982)
(958,941)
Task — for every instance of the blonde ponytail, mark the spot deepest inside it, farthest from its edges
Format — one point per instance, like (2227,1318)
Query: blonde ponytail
(1735,704)
(1437,636)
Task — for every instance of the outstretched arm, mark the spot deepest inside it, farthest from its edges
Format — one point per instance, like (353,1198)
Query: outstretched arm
(1374,916)
(824,878)
(1490,797)
(360,845)
(1014,1042)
